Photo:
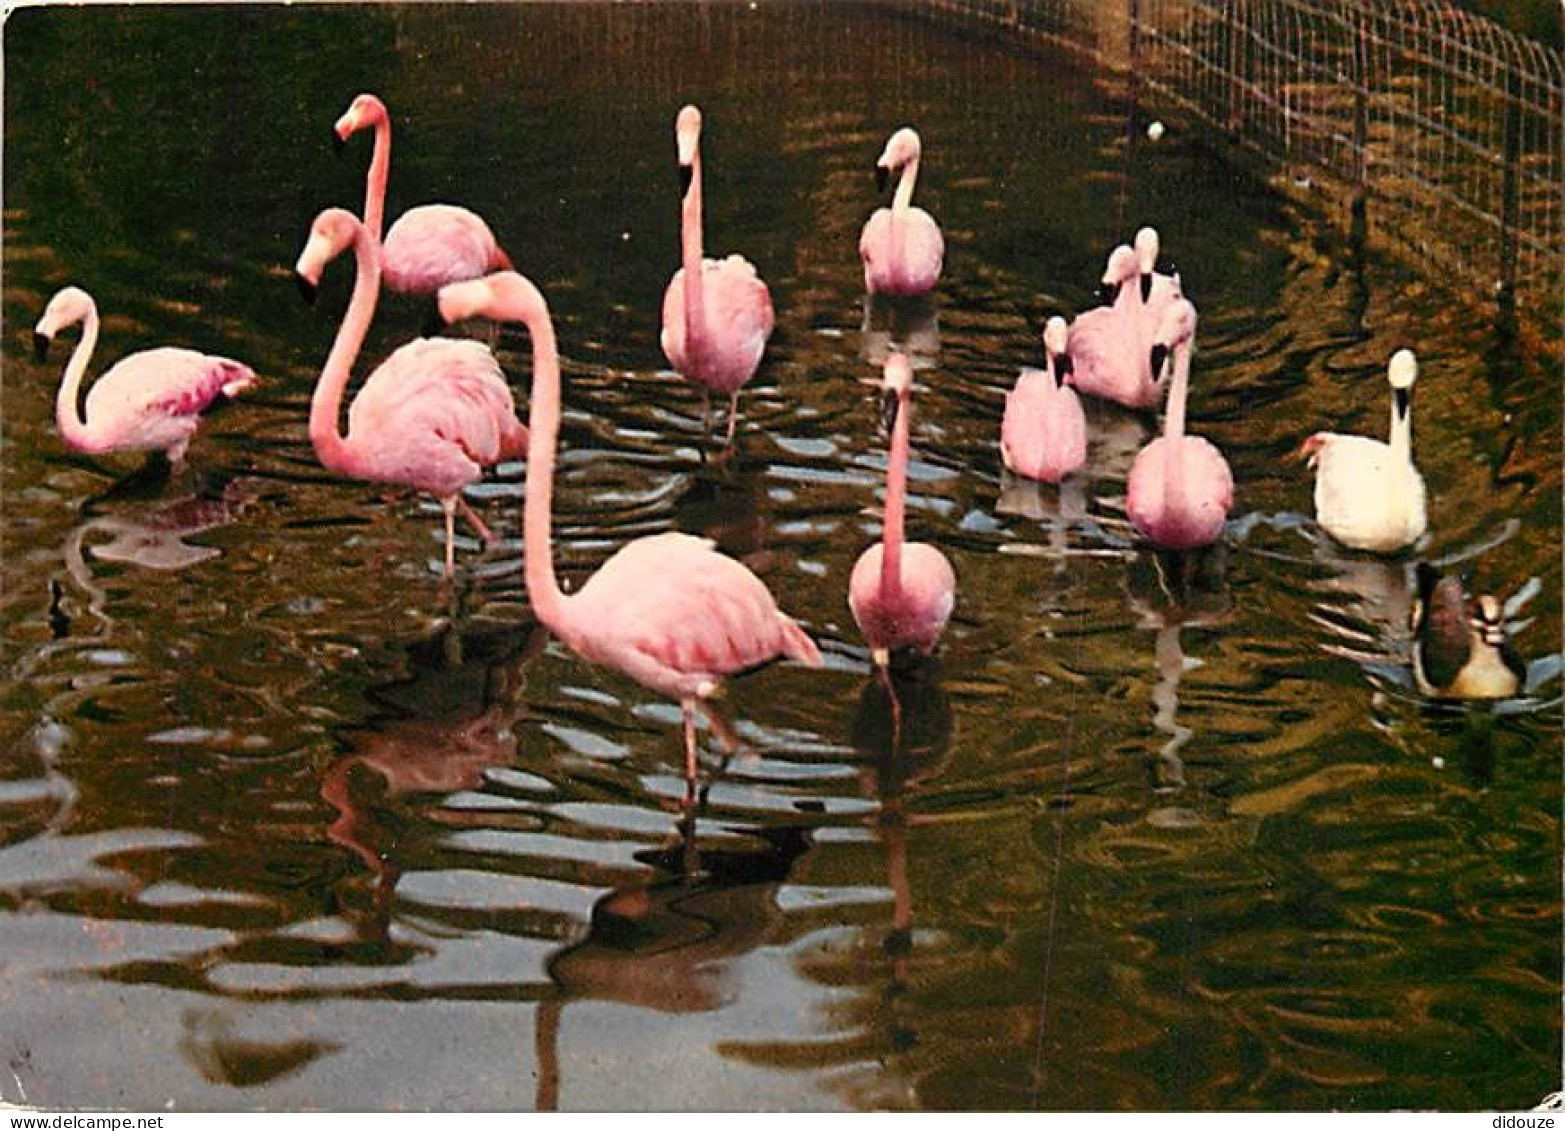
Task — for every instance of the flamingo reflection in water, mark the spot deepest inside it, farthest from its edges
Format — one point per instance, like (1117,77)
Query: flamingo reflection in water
(428,753)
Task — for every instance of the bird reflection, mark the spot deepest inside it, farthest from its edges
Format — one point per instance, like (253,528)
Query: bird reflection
(1169,591)
(439,750)
(901,324)
(729,511)
(901,731)
(1058,509)
(668,944)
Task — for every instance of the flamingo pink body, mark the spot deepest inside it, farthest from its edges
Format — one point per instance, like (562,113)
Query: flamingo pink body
(1043,434)
(428,246)
(667,610)
(431,417)
(901,595)
(148,402)
(1109,345)
(717,314)
(1180,487)
(901,246)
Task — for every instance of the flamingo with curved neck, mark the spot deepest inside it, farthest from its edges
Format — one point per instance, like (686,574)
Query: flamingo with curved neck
(901,595)
(428,246)
(432,416)
(901,246)
(1180,487)
(1110,345)
(667,610)
(717,314)
(150,401)
(1043,434)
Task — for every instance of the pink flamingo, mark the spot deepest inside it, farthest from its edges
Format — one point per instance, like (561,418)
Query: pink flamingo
(1180,487)
(901,595)
(901,246)
(1044,432)
(668,610)
(432,416)
(1109,345)
(431,245)
(717,314)
(148,402)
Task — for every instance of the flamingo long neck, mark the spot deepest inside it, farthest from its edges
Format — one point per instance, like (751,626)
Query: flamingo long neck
(543,423)
(1174,430)
(67,413)
(896,502)
(903,200)
(1402,429)
(690,258)
(375,182)
(330,445)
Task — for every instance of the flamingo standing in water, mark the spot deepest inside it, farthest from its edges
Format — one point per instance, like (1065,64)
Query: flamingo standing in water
(432,416)
(901,595)
(717,314)
(1044,432)
(428,246)
(901,246)
(1180,487)
(668,610)
(1368,494)
(151,401)
(1109,345)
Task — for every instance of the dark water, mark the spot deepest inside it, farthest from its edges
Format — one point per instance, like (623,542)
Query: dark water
(284,822)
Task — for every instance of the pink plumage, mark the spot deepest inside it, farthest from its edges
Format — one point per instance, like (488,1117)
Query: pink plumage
(430,245)
(667,610)
(1180,488)
(1043,434)
(432,416)
(901,595)
(717,314)
(148,402)
(1109,345)
(901,246)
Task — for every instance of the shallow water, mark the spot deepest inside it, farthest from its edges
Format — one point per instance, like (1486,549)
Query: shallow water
(285,822)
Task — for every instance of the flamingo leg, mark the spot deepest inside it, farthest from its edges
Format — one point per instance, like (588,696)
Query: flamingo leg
(449,506)
(733,416)
(689,708)
(474,521)
(706,414)
(883,674)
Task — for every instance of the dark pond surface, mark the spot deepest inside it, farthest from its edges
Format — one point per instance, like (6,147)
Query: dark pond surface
(285,822)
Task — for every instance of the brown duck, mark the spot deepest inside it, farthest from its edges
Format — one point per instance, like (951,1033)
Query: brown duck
(1460,649)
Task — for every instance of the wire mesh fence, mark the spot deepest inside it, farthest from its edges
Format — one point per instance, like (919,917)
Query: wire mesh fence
(1441,131)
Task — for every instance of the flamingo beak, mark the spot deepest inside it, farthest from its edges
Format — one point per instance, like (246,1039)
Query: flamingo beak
(1146,286)
(1309,451)
(882,175)
(1159,359)
(1062,369)
(306,288)
(41,345)
(889,404)
(687,175)
(1404,402)
(434,321)
(1108,292)
(338,143)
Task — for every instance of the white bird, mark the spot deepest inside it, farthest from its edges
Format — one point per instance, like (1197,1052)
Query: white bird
(1368,494)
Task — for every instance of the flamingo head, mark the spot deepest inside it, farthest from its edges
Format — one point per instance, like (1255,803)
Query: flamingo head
(504,296)
(66,308)
(903,148)
(1146,248)
(1175,331)
(896,386)
(364,111)
(1122,268)
(1402,372)
(1056,339)
(334,230)
(687,137)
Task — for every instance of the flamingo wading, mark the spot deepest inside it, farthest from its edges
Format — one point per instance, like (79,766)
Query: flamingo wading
(1180,487)
(901,246)
(432,416)
(1110,345)
(151,401)
(901,595)
(717,313)
(430,245)
(1043,434)
(667,610)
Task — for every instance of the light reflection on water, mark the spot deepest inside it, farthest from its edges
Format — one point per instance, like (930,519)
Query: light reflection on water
(322,832)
